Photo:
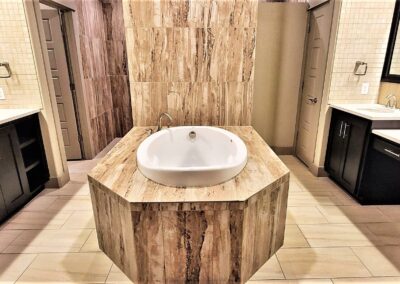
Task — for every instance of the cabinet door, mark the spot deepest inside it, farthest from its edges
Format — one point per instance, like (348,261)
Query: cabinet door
(12,176)
(336,146)
(354,135)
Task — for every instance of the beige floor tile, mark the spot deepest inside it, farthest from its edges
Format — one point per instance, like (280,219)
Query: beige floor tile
(68,267)
(391,211)
(13,265)
(41,241)
(71,189)
(352,214)
(294,186)
(294,238)
(117,276)
(28,220)
(71,203)
(304,215)
(78,177)
(336,235)
(270,270)
(7,237)
(79,220)
(380,261)
(301,263)
(92,244)
(385,233)
(82,166)
(40,203)
(300,281)
(376,280)
(298,199)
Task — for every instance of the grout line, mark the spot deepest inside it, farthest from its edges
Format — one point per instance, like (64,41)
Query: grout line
(351,248)
(33,259)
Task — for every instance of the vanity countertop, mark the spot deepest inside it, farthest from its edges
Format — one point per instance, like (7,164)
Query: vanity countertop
(369,111)
(117,172)
(10,114)
(389,134)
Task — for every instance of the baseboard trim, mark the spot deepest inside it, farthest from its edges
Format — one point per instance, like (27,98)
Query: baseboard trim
(317,171)
(58,182)
(283,150)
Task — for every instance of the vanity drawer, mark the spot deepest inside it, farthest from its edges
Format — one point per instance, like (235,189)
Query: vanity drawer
(388,149)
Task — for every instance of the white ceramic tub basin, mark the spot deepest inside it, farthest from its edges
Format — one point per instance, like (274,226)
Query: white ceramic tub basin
(191,156)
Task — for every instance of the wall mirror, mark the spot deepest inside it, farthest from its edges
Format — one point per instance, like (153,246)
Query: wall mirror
(391,68)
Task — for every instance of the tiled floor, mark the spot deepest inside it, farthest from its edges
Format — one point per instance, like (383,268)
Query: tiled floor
(329,237)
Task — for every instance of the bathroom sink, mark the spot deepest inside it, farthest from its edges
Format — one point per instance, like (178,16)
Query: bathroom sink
(191,156)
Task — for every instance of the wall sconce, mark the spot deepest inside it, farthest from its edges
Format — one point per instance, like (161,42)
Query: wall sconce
(360,69)
(7,66)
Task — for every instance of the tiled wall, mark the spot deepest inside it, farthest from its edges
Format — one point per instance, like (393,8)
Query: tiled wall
(118,67)
(194,59)
(363,35)
(104,70)
(22,89)
(389,89)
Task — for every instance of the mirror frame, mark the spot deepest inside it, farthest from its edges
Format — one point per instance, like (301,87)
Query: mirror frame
(386,75)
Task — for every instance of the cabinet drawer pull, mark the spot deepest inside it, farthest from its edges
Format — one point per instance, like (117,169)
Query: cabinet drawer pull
(345,130)
(341,127)
(393,153)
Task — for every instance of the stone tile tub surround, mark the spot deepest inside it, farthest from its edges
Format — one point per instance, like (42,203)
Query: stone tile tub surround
(223,233)
(193,59)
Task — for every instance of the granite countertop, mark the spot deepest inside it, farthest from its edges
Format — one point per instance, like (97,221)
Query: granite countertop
(117,172)
(10,114)
(389,134)
(366,111)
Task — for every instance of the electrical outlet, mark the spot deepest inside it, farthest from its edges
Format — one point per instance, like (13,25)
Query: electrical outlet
(364,88)
(2,95)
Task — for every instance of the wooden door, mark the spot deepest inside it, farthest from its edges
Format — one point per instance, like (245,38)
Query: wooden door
(314,77)
(59,70)
(13,183)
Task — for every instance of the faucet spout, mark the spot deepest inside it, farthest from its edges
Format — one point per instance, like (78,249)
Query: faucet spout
(160,119)
(391,101)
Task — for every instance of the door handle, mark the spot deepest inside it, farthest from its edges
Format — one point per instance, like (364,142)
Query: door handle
(312,100)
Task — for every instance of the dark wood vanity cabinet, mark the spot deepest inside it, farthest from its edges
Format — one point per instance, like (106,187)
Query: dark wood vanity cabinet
(347,139)
(23,166)
(348,148)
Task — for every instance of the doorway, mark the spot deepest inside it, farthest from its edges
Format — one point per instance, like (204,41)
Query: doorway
(61,72)
(320,23)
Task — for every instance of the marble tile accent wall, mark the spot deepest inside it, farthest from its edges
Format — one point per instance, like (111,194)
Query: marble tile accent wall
(105,72)
(194,59)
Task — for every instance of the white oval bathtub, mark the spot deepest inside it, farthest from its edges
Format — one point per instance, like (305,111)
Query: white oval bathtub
(191,156)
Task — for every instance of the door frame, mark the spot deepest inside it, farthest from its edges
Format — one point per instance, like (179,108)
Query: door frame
(71,35)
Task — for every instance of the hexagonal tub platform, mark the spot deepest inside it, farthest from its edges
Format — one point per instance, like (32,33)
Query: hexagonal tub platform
(222,233)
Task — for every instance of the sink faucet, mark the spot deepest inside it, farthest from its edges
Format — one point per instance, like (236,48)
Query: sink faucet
(164,114)
(391,101)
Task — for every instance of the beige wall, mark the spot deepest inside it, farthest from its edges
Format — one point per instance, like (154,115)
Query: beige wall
(24,88)
(362,34)
(281,33)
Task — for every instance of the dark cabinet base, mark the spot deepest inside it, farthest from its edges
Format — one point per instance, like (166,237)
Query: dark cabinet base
(353,163)
(23,164)
(380,183)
